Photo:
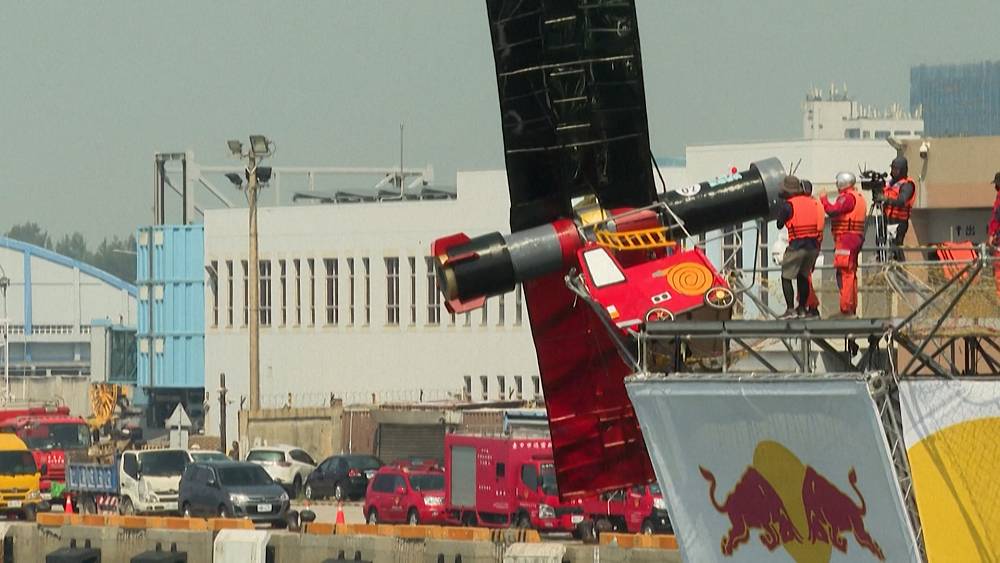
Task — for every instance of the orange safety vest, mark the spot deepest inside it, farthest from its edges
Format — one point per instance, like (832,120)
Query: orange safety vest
(892,192)
(852,221)
(807,218)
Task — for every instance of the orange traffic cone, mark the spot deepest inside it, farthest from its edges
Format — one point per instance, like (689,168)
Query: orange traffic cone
(340,513)
(68,507)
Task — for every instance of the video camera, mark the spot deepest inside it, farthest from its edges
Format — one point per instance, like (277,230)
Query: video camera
(873,181)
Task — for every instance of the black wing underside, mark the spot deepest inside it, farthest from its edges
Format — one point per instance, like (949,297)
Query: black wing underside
(569,75)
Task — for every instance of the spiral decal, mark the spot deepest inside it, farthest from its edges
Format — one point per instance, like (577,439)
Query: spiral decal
(689,278)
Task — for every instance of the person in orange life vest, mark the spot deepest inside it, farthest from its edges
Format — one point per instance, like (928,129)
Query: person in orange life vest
(897,203)
(993,231)
(812,302)
(800,215)
(848,215)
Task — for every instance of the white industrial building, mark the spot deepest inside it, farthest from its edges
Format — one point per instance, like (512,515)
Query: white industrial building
(835,115)
(350,304)
(52,305)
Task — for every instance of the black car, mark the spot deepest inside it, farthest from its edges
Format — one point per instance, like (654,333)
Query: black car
(231,489)
(342,476)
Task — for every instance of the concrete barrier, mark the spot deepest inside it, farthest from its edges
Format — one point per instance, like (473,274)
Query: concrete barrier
(457,551)
(312,548)
(659,541)
(123,538)
(118,545)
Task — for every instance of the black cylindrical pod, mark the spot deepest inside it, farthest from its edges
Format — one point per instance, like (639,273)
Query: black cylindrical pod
(729,200)
(489,272)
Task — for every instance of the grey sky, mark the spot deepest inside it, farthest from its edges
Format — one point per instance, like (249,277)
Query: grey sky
(90,90)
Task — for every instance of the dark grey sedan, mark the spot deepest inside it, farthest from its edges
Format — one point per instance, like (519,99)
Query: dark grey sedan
(232,490)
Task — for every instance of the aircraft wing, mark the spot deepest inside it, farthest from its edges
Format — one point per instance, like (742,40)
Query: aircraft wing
(596,441)
(569,75)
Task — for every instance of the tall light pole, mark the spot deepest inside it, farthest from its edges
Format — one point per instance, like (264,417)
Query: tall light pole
(260,147)
(4,283)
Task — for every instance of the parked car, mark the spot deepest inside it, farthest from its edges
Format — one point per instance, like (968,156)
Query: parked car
(232,489)
(288,465)
(200,456)
(414,495)
(343,477)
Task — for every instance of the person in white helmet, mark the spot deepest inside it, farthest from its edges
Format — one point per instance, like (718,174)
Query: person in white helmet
(847,214)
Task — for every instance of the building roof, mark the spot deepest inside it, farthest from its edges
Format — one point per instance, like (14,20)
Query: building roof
(57,258)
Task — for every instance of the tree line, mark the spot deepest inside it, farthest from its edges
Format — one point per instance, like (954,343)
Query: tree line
(115,256)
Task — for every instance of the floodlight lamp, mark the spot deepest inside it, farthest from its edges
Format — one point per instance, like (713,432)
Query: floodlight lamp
(259,145)
(263,174)
(235,179)
(235,147)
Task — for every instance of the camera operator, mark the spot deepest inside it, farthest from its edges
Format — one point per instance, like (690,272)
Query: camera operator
(993,231)
(897,203)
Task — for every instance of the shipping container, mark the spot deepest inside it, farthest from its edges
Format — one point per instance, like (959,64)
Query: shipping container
(171,280)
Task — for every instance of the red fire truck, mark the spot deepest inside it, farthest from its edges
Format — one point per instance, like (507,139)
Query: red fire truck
(639,509)
(52,435)
(500,481)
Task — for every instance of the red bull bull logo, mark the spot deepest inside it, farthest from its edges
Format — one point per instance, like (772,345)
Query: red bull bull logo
(792,505)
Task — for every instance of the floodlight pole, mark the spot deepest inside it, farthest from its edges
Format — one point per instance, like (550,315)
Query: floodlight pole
(254,305)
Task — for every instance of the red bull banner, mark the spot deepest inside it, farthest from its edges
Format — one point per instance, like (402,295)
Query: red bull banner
(952,434)
(790,470)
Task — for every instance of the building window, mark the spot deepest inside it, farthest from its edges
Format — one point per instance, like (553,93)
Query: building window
(297,266)
(518,303)
(312,291)
(246,293)
(392,291)
(501,387)
(467,389)
(413,290)
(229,293)
(536,384)
(486,309)
(213,279)
(433,295)
(881,134)
(500,309)
(350,288)
(852,133)
(484,382)
(518,387)
(902,133)
(283,289)
(366,263)
(468,319)
(332,287)
(264,299)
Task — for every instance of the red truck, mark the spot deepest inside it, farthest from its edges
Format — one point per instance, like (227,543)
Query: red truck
(500,481)
(52,435)
(639,509)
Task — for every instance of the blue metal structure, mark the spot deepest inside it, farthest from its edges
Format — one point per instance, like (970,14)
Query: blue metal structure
(957,99)
(171,320)
(30,250)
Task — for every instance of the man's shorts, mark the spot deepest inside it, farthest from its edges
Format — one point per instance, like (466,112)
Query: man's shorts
(798,261)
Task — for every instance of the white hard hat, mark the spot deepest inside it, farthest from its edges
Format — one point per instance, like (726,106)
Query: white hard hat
(845,180)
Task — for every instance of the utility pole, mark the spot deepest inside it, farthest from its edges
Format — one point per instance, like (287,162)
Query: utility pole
(222,413)
(254,313)
(260,148)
